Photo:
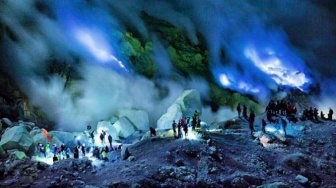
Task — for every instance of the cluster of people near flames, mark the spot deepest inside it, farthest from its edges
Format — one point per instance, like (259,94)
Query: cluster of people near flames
(63,152)
(184,123)
(275,112)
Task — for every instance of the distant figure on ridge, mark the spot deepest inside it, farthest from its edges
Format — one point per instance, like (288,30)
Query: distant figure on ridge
(174,128)
(244,111)
(238,110)
(331,112)
(152,131)
(251,122)
(263,126)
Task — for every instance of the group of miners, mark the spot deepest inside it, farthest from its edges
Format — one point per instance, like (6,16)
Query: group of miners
(275,108)
(62,152)
(185,123)
(312,114)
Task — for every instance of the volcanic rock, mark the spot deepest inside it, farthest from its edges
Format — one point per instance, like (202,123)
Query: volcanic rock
(6,122)
(124,127)
(125,153)
(138,117)
(301,179)
(18,138)
(274,185)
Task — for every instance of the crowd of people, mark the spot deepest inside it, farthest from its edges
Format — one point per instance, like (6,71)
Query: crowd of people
(185,123)
(60,152)
(277,111)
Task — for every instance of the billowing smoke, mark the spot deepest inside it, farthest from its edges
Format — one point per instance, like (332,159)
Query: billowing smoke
(255,46)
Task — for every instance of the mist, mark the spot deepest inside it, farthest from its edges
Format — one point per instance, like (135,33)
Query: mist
(267,45)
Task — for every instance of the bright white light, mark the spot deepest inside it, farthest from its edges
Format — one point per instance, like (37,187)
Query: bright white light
(270,129)
(224,80)
(192,135)
(96,44)
(100,51)
(274,67)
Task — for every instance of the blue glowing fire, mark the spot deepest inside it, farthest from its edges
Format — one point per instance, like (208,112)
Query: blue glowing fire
(86,30)
(261,61)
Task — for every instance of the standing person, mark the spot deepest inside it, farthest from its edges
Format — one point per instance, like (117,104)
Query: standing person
(174,128)
(185,129)
(263,126)
(179,127)
(196,114)
(322,115)
(92,136)
(76,153)
(251,122)
(284,125)
(193,123)
(83,149)
(152,131)
(109,138)
(331,112)
(102,137)
(238,110)
(244,111)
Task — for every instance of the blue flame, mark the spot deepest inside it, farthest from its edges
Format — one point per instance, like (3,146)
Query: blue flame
(261,61)
(90,32)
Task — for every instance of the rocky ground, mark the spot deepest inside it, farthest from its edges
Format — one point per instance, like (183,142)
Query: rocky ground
(225,158)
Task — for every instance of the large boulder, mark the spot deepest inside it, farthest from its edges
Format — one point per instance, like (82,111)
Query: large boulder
(6,122)
(174,112)
(190,101)
(18,138)
(124,127)
(185,105)
(138,117)
(2,153)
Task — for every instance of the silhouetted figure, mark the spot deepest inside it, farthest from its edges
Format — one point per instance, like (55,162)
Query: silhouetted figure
(244,111)
(239,110)
(96,153)
(284,125)
(185,129)
(102,137)
(251,122)
(83,149)
(152,131)
(92,136)
(109,138)
(55,158)
(193,123)
(263,126)
(174,128)
(331,112)
(62,147)
(322,115)
(179,128)
(269,116)
(76,153)
(196,114)
(107,149)
(310,113)
(315,113)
